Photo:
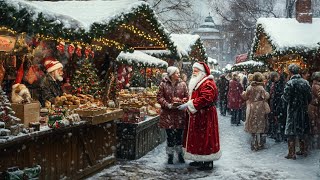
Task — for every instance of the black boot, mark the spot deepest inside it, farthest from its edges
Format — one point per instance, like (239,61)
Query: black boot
(170,159)
(196,163)
(180,157)
(206,166)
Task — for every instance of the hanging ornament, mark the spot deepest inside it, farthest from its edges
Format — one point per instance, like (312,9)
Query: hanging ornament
(78,51)
(60,47)
(92,54)
(71,49)
(87,51)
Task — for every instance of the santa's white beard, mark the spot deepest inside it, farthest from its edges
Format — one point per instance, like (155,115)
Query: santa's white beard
(58,77)
(195,79)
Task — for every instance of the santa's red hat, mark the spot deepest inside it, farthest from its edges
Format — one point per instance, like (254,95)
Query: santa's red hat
(51,64)
(202,67)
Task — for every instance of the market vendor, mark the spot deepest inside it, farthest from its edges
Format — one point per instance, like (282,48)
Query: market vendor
(50,86)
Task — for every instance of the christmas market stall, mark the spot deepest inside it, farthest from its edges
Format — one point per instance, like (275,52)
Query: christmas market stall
(70,135)
(138,130)
(282,41)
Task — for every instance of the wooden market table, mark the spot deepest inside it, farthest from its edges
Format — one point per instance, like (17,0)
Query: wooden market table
(137,139)
(71,152)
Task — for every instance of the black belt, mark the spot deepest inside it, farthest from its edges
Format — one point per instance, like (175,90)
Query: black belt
(209,105)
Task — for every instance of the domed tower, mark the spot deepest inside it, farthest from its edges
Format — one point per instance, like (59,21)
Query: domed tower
(211,38)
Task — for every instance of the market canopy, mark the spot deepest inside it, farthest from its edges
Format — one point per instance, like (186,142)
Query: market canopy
(122,23)
(140,59)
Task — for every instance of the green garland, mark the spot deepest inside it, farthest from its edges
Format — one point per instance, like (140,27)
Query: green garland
(140,64)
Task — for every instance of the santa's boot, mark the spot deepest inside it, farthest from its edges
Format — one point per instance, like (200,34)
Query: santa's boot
(170,152)
(180,153)
(196,163)
(291,149)
(206,166)
(302,148)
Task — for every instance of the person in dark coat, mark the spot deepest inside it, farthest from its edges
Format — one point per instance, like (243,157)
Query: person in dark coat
(223,87)
(50,85)
(297,94)
(275,88)
(172,90)
(235,101)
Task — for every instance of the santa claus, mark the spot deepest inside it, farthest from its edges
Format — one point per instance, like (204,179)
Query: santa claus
(201,137)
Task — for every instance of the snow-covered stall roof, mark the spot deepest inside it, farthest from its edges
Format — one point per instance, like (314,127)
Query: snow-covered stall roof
(250,66)
(251,62)
(212,61)
(184,42)
(79,14)
(141,59)
(287,33)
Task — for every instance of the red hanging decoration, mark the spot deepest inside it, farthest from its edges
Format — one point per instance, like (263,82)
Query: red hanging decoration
(87,51)
(78,51)
(60,47)
(71,49)
(20,73)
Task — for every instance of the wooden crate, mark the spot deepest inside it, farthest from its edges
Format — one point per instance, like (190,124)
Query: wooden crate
(102,118)
(136,140)
(27,112)
(90,112)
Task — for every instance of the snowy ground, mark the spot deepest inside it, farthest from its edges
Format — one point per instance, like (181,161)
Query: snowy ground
(238,162)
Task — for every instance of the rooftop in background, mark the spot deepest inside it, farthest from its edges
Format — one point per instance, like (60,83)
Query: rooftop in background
(207,26)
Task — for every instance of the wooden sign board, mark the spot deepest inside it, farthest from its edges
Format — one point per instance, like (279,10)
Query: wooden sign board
(7,43)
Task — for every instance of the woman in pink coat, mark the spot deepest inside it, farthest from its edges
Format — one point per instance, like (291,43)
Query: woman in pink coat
(172,90)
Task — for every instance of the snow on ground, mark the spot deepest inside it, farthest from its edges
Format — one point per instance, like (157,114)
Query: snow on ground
(238,162)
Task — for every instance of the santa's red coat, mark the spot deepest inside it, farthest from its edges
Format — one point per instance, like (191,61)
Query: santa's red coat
(201,137)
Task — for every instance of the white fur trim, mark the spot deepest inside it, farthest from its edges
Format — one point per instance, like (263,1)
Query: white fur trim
(197,157)
(203,80)
(55,67)
(191,107)
(199,66)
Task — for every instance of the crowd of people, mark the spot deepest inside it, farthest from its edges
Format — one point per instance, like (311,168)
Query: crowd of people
(279,105)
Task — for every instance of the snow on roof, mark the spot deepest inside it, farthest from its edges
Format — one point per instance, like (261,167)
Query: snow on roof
(251,62)
(288,32)
(184,42)
(203,30)
(138,57)
(212,61)
(156,52)
(228,66)
(211,37)
(79,13)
